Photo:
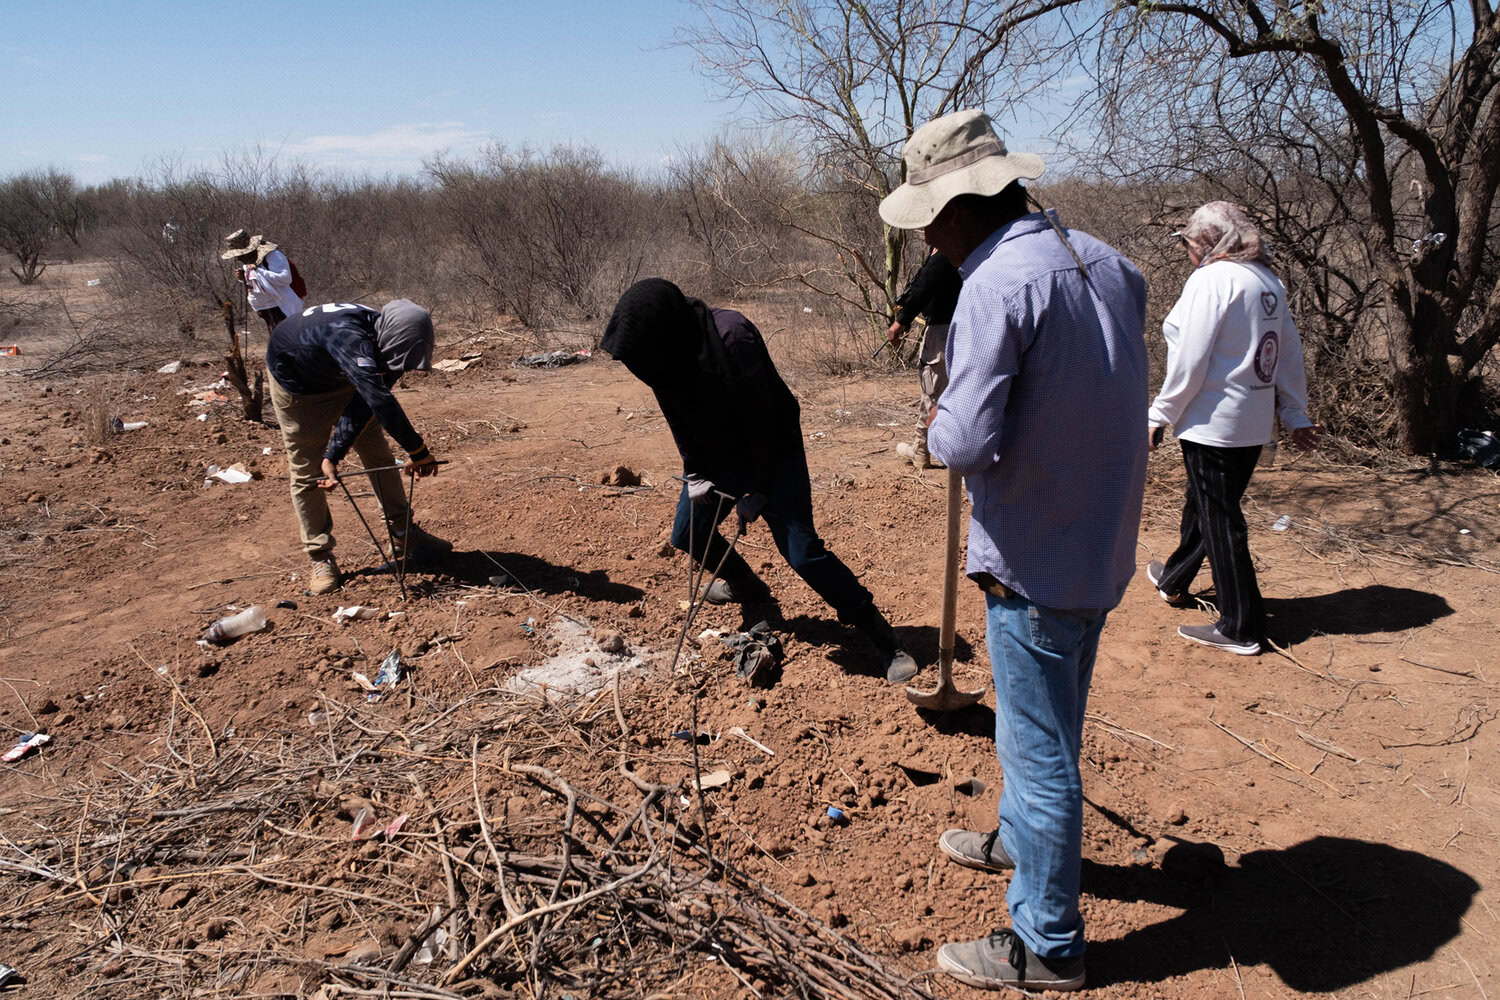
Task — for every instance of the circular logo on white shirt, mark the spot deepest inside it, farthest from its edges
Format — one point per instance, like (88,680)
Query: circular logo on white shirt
(1266,353)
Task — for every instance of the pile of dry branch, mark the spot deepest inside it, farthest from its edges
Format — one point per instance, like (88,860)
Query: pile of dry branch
(494,847)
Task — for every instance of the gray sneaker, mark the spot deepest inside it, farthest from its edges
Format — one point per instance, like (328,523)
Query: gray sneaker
(750,591)
(1003,961)
(1155,570)
(973,849)
(901,668)
(1209,635)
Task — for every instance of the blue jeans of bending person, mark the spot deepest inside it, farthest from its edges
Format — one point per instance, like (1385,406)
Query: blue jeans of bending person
(789,516)
(1043,661)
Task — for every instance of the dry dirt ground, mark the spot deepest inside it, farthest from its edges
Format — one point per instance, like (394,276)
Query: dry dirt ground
(1349,785)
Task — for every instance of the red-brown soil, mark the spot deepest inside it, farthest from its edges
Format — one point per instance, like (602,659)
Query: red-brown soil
(1351,784)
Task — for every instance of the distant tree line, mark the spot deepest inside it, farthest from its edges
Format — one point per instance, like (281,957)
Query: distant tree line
(1365,140)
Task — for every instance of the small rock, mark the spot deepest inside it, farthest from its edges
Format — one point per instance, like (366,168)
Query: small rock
(48,707)
(803,877)
(363,954)
(910,939)
(623,475)
(176,896)
(610,641)
(216,929)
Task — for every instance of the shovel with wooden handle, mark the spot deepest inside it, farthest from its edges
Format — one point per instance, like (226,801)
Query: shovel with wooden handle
(947,697)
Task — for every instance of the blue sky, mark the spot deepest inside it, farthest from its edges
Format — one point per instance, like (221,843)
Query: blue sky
(107,89)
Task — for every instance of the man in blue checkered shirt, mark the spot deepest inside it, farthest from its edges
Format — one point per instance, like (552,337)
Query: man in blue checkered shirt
(1047,374)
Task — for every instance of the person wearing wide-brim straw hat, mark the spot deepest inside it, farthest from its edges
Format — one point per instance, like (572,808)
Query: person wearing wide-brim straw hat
(1047,373)
(267,275)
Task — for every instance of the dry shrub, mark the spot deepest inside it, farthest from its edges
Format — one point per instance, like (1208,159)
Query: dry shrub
(549,237)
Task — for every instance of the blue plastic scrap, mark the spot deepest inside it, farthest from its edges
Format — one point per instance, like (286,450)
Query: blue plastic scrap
(387,677)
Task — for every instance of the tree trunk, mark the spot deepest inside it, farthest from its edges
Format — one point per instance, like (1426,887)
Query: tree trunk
(894,242)
(251,399)
(1423,382)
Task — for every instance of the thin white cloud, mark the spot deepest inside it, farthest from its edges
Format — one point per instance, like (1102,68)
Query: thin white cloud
(549,116)
(91,158)
(395,142)
(27,58)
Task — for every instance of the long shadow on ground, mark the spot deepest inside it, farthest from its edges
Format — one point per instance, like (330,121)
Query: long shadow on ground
(476,567)
(1353,611)
(1325,914)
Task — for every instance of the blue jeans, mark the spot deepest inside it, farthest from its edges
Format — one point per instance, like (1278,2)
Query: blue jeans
(1043,660)
(789,516)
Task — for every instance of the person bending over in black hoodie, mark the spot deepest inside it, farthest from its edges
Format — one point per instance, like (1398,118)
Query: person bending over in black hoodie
(739,431)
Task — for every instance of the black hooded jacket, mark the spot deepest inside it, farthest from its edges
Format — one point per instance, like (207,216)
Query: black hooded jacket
(731,415)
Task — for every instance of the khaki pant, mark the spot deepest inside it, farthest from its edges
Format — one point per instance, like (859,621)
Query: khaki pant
(934,375)
(307,422)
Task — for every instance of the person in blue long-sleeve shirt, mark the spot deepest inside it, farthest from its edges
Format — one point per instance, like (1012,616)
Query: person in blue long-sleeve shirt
(332,370)
(1046,376)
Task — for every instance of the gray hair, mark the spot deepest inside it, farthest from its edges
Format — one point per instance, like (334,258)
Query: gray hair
(1221,230)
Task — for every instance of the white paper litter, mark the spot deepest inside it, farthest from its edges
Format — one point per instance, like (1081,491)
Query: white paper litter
(235,474)
(170,368)
(450,365)
(1282,523)
(355,613)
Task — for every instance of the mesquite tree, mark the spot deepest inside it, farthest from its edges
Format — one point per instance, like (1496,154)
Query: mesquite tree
(850,81)
(1370,133)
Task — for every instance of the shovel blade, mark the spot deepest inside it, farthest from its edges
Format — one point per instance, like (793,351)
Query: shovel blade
(946,698)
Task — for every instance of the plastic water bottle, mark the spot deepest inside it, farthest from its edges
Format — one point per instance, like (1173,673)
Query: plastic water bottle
(226,630)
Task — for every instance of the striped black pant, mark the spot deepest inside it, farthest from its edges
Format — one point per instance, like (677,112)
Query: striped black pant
(1214,526)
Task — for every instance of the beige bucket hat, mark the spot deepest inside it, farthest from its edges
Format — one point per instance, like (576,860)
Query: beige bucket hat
(256,246)
(949,156)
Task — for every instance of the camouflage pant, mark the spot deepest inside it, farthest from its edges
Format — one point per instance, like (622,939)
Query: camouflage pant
(934,375)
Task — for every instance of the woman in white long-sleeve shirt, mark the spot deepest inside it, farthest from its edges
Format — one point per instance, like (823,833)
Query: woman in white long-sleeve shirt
(1234,363)
(267,275)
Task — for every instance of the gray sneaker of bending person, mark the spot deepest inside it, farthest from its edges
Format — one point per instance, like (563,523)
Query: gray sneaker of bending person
(1003,961)
(973,849)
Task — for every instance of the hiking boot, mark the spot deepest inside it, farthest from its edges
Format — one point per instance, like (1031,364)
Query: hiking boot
(900,667)
(1155,570)
(1003,961)
(1209,635)
(324,578)
(916,454)
(418,546)
(973,849)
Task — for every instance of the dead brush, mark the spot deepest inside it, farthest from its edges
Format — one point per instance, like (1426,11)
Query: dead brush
(523,855)
(98,412)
